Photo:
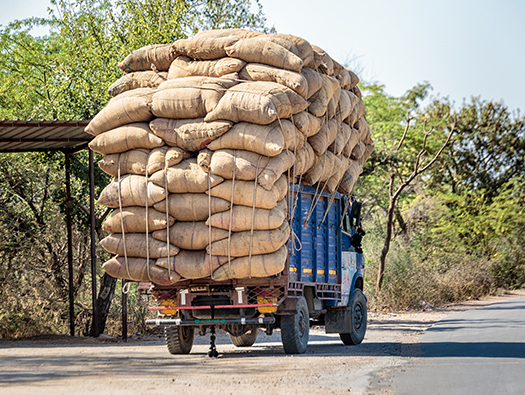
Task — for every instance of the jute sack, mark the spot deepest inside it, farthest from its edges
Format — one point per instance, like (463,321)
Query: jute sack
(352,119)
(145,93)
(260,50)
(344,79)
(342,138)
(136,161)
(241,218)
(191,235)
(293,138)
(358,151)
(138,269)
(260,242)
(304,48)
(193,264)
(189,134)
(351,143)
(161,55)
(327,64)
(118,112)
(313,80)
(258,266)
(133,191)
(283,42)
(184,66)
(134,219)
(321,171)
(340,166)
(137,79)
(204,48)
(307,124)
(125,138)
(338,68)
(368,151)
(361,110)
(137,245)
(183,103)
(305,159)
(192,206)
(216,33)
(326,136)
(204,159)
(248,165)
(258,102)
(319,101)
(186,177)
(354,81)
(345,104)
(364,131)
(350,177)
(266,140)
(263,72)
(244,191)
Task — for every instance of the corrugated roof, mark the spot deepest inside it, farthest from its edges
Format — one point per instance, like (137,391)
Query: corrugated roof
(32,135)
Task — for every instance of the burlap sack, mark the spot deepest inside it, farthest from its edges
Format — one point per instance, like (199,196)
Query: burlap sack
(191,235)
(340,141)
(326,136)
(263,72)
(244,191)
(204,159)
(134,219)
(258,242)
(345,104)
(368,151)
(260,50)
(161,55)
(139,269)
(204,48)
(183,66)
(319,101)
(305,159)
(192,206)
(216,33)
(183,103)
(257,266)
(351,143)
(361,110)
(307,124)
(280,40)
(136,161)
(145,93)
(118,112)
(133,191)
(189,134)
(137,245)
(338,68)
(344,79)
(364,131)
(198,82)
(266,140)
(125,138)
(192,264)
(241,218)
(186,177)
(350,177)
(304,48)
(354,81)
(321,171)
(137,79)
(327,65)
(340,166)
(313,80)
(257,102)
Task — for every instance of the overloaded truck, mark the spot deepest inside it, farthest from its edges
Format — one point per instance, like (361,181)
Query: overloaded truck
(322,284)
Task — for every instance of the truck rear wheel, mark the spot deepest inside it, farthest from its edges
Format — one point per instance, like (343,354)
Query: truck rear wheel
(179,339)
(295,329)
(358,318)
(245,340)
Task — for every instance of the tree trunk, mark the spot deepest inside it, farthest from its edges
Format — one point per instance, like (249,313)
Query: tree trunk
(386,246)
(105,296)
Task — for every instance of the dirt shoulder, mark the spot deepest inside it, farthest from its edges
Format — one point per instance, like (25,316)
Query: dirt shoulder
(61,364)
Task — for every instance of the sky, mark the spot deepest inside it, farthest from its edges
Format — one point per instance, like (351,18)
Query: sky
(463,48)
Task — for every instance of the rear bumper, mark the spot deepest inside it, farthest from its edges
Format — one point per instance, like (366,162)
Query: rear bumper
(236,321)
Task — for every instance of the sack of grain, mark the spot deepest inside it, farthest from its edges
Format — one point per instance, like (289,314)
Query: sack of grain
(240,218)
(140,269)
(263,72)
(160,55)
(204,48)
(192,264)
(184,66)
(125,138)
(137,245)
(134,191)
(350,177)
(304,48)
(326,136)
(305,159)
(192,206)
(216,33)
(137,79)
(191,235)
(257,266)
(134,220)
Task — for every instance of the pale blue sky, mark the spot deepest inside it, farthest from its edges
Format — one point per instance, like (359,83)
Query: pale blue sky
(463,48)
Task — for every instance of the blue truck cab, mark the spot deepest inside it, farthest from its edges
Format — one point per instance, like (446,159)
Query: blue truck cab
(322,284)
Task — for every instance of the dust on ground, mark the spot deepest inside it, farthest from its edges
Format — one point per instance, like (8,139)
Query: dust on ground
(53,365)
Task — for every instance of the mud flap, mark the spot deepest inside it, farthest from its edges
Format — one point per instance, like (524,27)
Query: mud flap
(338,320)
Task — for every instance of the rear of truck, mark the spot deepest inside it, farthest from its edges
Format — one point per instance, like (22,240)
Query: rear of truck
(322,284)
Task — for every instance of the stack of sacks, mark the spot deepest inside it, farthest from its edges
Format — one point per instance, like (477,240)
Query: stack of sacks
(203,137)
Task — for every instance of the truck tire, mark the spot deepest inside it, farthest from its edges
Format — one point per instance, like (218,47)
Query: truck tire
(245,340)
(358,320)
(295,329)
(179,339)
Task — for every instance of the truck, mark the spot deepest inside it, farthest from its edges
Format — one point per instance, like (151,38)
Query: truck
(321,284)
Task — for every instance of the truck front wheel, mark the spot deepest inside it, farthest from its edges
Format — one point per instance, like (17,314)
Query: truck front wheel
(245,340)
(295,329)
(358,318)
(179,339)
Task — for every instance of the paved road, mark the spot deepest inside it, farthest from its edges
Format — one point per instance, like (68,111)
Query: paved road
(479,351)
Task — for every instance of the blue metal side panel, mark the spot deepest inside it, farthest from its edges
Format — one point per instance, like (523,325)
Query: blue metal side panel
(307,240)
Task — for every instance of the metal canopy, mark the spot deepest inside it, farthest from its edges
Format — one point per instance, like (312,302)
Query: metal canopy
(33,135)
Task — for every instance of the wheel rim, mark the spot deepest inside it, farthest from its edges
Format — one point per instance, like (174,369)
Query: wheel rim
(302,324)
(358,316)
